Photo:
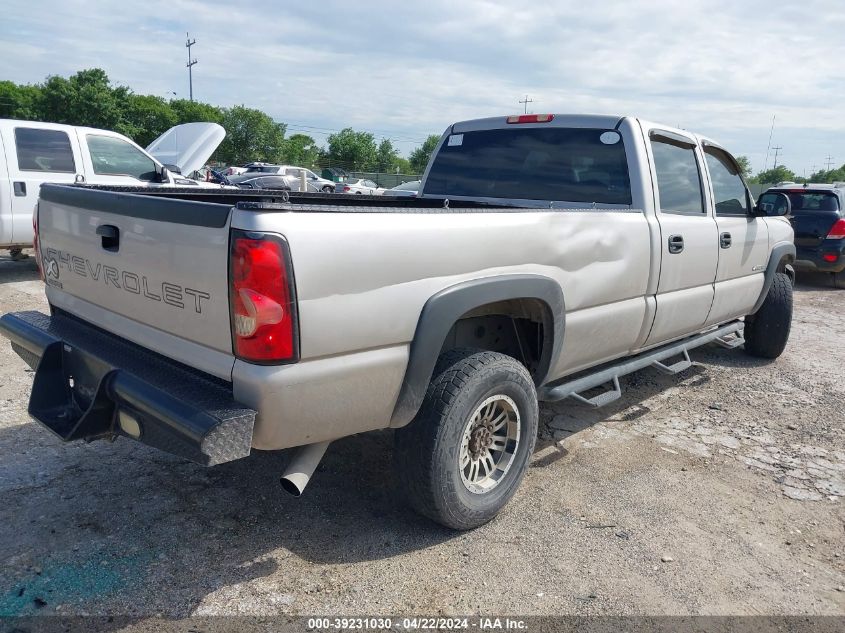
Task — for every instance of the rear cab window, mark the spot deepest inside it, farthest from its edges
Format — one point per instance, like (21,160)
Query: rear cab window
(44,150)
(111,156)
(553,164)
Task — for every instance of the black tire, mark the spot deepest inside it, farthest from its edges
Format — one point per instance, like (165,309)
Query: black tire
(327,189)
(767,331)
(427,451)
(839,280)
(359,193)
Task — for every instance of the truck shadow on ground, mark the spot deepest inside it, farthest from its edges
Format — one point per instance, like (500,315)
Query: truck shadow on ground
(22,270)
(94,526)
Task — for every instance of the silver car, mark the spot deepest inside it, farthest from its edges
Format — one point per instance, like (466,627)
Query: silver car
(361,186)
(406,189)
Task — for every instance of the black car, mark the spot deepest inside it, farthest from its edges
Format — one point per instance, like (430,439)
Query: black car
(260,181)
(818,219)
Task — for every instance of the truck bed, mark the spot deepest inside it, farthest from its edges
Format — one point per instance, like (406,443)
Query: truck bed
(293,201)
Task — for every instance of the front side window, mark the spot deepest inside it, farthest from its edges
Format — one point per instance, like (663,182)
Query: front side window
(729,195)
(44,150)
(678,178)
(533,163)
(115,157)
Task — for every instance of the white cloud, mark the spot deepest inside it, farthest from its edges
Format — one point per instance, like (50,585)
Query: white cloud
(722,68)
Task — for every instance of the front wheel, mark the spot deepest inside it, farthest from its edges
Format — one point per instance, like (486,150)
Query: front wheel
(767,331)
(464,455)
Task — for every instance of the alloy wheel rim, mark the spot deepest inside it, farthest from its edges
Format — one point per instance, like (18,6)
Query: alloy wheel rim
(489,444)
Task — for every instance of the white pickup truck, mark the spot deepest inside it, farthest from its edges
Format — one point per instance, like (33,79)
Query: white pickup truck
(32,153)
(547,256)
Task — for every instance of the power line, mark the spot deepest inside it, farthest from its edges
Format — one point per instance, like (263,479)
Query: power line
(188,43)
(829,161)
(769,146)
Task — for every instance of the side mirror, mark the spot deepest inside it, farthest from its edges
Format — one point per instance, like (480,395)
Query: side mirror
(174,168)
(162,175)
(773,203)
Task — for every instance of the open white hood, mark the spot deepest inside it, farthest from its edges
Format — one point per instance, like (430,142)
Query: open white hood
(188,146)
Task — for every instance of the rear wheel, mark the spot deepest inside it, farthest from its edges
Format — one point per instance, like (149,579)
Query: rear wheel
(839,279)
(327,189)
(464,455)
(767,331)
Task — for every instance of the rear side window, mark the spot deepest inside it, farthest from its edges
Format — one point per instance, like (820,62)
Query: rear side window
(44,150)
(678,178)
(729,193)
(115,157)
(566,164)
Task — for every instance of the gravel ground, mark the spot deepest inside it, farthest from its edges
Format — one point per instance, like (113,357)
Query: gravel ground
(719,492)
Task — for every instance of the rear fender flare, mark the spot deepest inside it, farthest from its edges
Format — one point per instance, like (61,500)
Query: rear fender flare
(445,308)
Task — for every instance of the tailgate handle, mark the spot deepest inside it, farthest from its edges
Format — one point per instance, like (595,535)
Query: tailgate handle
(20,188)
(110,237)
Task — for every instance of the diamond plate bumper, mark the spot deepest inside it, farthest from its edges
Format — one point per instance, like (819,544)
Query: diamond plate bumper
(85,377)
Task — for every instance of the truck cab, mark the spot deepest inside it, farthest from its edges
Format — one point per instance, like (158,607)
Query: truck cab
(32,153)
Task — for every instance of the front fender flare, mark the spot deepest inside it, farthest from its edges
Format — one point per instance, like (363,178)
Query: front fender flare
(782,253)
(443,310)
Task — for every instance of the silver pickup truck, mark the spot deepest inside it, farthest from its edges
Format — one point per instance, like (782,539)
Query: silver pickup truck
(547,256)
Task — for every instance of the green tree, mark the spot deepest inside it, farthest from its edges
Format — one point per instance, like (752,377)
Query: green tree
(744,166)
(149,116)
(403,166)
(301,150)
(828,175)
(774,175)
(419,157)
(86,98)
(192,111)
(352,150)
(250,135)
(386,156)
(19,102)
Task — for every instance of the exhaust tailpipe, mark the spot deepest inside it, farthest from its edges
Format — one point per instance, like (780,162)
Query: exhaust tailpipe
(301,467)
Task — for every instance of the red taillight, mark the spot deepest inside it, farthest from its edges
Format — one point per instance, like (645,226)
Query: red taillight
(35,243)
(830,257)
(346,188)
(263,299)
(837,231)
(530,118)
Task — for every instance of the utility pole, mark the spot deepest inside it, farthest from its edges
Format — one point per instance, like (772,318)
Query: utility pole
(777,150)
(526,101)
(829,162)
(188,43)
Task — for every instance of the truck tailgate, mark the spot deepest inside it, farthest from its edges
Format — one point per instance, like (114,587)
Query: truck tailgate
(161,263)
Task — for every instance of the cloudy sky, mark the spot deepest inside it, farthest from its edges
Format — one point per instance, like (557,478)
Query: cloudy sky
(404,70)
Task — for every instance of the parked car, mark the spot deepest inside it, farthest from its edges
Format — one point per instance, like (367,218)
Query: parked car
(818,219)
(37,152)
(253,180)
(265,181)
(574,250)
(411,189)
(360,186)
(313,181)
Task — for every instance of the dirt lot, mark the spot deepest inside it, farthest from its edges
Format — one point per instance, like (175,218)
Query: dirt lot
(718,492)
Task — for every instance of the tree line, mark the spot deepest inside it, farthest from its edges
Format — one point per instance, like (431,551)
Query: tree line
(89,98)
